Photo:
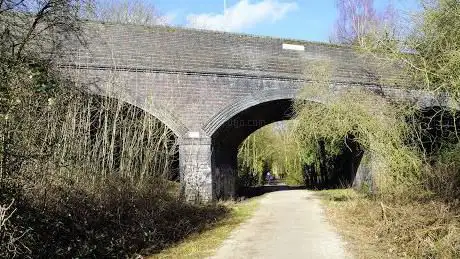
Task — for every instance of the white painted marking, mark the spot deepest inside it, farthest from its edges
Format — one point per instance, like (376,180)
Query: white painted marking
(293,47)
(194,134)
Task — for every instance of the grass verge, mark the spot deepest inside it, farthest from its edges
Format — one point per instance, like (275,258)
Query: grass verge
(394,229)
(204,244)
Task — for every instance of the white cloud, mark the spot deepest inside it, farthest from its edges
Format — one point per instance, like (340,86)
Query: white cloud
(242,15)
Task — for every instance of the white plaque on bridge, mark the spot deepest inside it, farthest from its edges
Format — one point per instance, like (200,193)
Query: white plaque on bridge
(293,47)
(194,134)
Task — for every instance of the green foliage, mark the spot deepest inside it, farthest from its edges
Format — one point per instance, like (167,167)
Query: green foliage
(427,55)
(271,149)
(428,58)
(378,128)
(436,42)
(254,156)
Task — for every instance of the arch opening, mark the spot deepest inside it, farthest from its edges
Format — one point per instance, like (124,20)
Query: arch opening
(137,142)
(437,127)
(227,139)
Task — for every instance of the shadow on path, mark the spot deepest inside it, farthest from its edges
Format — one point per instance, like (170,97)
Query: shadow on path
(249,192)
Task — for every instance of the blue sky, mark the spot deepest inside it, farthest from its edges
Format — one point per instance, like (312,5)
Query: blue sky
(298,19)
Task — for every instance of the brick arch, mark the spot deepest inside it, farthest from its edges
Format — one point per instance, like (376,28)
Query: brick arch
(163,115)
(254,99)
(227,133)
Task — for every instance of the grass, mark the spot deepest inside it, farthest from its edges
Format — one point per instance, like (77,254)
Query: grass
(374,228)
(204,244)
(355,228)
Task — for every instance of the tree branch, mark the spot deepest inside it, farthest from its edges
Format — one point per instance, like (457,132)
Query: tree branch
(40,15)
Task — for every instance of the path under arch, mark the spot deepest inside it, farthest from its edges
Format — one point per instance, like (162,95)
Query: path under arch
(287,224)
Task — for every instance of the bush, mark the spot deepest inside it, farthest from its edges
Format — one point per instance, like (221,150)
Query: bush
(115,217)
(443,178)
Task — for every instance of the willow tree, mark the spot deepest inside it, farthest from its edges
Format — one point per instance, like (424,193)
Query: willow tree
(427,57)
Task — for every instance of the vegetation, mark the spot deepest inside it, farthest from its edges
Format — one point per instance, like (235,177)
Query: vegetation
(359,18)
(84,175)
(80,175)
(421,221)
(409,206)
(375,228)
(124,11)
(112,218)
(270,149)
(427,52)
(205,243)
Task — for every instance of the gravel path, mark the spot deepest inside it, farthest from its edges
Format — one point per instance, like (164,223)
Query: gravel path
(287,224)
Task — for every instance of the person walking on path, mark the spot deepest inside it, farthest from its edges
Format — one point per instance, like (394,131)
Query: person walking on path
(269,178)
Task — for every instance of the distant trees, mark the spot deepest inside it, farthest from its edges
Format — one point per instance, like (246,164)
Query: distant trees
(255,155)
(125,11)
(272,148)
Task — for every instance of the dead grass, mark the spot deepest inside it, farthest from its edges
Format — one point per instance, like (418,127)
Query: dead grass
(115,218)
(205,243)
(382,229)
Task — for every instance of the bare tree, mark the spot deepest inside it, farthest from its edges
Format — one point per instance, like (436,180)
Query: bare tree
(359,18)
(127,12)
(32,32)
(38,26)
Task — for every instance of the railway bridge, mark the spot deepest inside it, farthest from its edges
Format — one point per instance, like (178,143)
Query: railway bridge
(213,89)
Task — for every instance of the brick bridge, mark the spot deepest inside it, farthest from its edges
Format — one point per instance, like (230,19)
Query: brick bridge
(211,89)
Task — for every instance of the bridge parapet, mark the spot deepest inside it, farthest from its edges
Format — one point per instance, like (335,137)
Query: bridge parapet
(172,50)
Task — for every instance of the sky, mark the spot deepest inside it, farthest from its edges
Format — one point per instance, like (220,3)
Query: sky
(311,20)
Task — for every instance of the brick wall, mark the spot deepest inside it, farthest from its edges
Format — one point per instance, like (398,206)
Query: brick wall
(187,77)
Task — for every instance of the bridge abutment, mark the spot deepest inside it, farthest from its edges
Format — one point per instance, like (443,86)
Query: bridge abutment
(225,166)
(365,174)
(196,174)
(208,171)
